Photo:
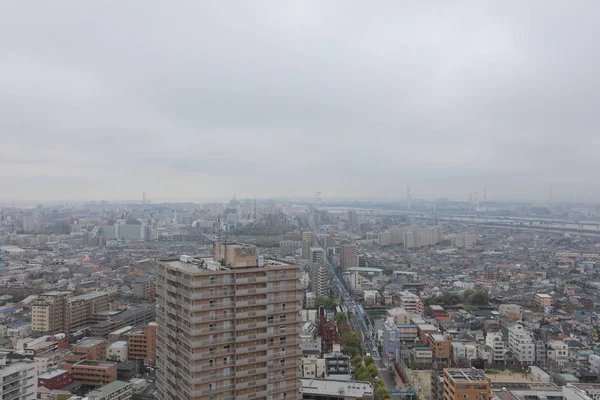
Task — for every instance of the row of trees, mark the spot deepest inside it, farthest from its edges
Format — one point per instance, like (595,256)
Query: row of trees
(473,297)
(365,369)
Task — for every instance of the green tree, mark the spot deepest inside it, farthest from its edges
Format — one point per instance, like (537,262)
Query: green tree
(341,318)
(356,361)
(362,374)
(373,370)
(351,339)
(480,297)
(369,360)
(352,351)
(381,393)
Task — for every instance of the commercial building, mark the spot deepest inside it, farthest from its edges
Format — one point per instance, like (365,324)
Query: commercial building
(348,256)
(466,384)
(116,390)
(317,255)
(228,326)
(142,344)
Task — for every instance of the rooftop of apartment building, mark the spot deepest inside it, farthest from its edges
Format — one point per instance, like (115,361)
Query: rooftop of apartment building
(92,363)
(91,342)
(357,389)
(467,375)
(87,296)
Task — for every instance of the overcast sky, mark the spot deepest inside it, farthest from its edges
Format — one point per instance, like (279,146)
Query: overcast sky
(198,100)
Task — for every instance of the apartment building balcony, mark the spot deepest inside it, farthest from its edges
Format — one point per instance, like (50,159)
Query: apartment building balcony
(253,325)
(252,360)
(248,314)
(250,349)
(249,372)
(253,395)
(252,383)
(253,279)
(249,303)
(289,387)
(246,338)
(246,292)
(209,367)
(214,390)
(214,330)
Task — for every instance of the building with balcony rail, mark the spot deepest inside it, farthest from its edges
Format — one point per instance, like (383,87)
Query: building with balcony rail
(228,327)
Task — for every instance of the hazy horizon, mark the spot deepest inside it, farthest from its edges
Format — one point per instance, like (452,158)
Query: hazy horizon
(204,100)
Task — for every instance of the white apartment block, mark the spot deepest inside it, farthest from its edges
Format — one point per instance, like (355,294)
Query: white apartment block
(496,341)
(520,341)
(18,379)
(557,352)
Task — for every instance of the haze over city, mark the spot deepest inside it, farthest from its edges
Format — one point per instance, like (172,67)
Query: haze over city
(197,101)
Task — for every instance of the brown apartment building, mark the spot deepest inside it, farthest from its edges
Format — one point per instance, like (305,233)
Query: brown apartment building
(142,344)
(228,326)
(466,384)
(91,373)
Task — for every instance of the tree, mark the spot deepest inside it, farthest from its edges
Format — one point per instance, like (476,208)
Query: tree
(356,361)
(373,370)
(381,393)
(480,297)
(362,374)
(369,360)
(341,318)
(351,339)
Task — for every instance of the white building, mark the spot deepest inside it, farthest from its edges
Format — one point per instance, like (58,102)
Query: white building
(520,341)
(118,351)
(496,341)
(116,390)
(594,361)
(507,309)
(18,379)
(557,352)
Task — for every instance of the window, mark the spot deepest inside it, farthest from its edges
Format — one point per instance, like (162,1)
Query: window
(226,371)
(282,318)
(227,347)
(270,319)
(212,387)
(226,324)
(213,291)
(270,285)
(282,329)
(283,307)
(212,280)
(212,327)
(270,330)
(282,340)
(211,363)
(282,285)
(271,308)
(212,303)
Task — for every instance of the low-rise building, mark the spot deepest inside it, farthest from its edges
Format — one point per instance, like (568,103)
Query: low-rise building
(91,373)
(117,351)
(466,384)
(116,390)
(327,389)
(56,379)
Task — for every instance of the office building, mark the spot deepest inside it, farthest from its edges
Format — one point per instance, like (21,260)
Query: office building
(228,327)
(142,344)
(348,256)
(466,384)
(18,378)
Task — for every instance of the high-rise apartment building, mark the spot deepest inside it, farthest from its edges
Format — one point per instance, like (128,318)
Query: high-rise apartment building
(348,256)
(319,277)
(309,239)
(466,384)
(56,312)
(317,254)
(49,313)
(352,220)
(17,378)
(228,327)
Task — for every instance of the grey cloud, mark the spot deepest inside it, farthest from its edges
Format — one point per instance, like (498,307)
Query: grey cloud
(195,100)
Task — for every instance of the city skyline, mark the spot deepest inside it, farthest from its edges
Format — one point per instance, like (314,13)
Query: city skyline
(197,102)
